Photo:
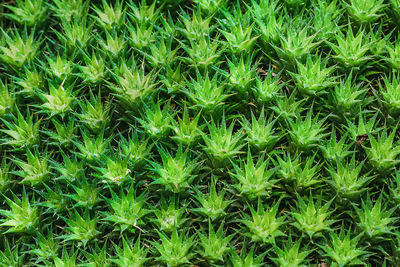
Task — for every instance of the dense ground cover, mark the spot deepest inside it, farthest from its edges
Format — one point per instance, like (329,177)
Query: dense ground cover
(203,132)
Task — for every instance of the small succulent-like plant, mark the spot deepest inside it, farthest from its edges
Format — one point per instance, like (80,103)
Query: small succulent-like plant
(295,44)
(207,94)
(141,36)
(202,53)
(97,256)
(136,149)
(133,84)
(215,245)
(265,16)
(55,201)
(92,149)
(335,150)
(343,249)
(312,217)
(70,9)
(66,259)
(314,77)
(28,12)
(300,177)
(81,228)
(374,219)
(170,216)
(174,250)
(156,120)
(59,67)
(261,134)
(264,226)
(308,132)
(213,205)
(35,170)
(382,153)
(389,90)
(352,50)
(291,254)
(161,54)
(23,131)
(94,70)
(29,81)
(76,33)
(70,168)
(95,115)
(176,173)
(196,24)
(222,144)
(18,49)
(325,19)
(144,13)
(242,73)
(47,247)
(365,11)
(268,88)
(173,79)
(347,180)
(59,101)
(114,44)
(85,194)
(115,170)
(347,97)
(288,108)
(246,258)
(239,36)
(253,180)
(130,255)
(22,217)
(110,16)
(187,130)
(128,210)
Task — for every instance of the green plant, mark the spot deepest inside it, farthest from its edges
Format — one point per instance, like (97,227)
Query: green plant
(264,224)
(313,78)
(308,132)
(365,12)
(352,50)
(28,12)
(347,180)
(128,210)
(291,254)
(312,217)
(344,250)
(215,245)
(174,250)
(253,180)
(22,217)
(176,172)
(374,219)
(222,144)
(18,49)
(260,132)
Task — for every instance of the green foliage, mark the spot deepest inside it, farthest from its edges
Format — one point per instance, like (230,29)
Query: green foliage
(199,133)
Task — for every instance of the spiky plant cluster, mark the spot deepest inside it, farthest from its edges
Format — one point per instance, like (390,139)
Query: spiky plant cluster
(199,133)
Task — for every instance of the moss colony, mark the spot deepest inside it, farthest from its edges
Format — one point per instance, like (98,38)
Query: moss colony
(199,133)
